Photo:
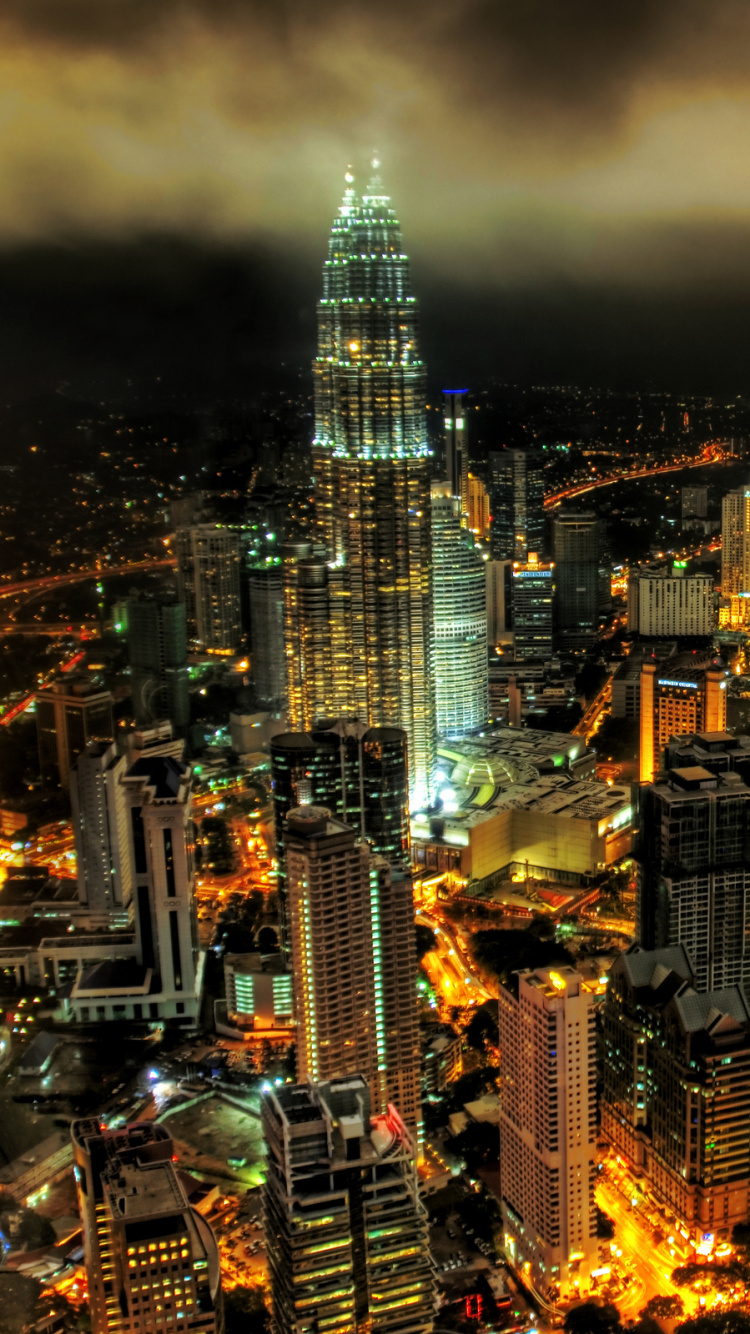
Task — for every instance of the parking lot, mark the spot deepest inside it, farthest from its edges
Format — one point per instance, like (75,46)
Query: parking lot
(210,1133)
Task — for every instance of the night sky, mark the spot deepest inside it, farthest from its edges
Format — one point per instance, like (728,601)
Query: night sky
(573,180)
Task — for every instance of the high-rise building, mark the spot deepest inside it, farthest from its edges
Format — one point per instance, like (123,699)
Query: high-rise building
(578,541)
(479,508)
(533,608)
(346,1232)
(358,772)
(664,604)
(693,877)
(676,1088)
(460,602)
(163,977)
(677,697)
(499,595)
(265,589)
(351,929)
(457,449)
(101,831)
(152,1262)
(373,587)
(735,542)
(208,576)
(694,502)
(548,1127)
(157,653)
(516,488)
(69,713)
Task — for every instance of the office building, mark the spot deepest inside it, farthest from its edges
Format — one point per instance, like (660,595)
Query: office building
(69,713)
(533,607)
(373,587)
(358,772)
(208,577)
(578,542)
(265,591)
(152,1262)
(259,993)
(160,977)
(663,604)
(516,489)
(735,542)
(694,502)
(499,598)
(676,1088)
(351,930)
(157,654)
(693,881)
(346,1232)
(99,816)
(479,509)
(683,695)
(457,449)
(548,1128)
(460,620)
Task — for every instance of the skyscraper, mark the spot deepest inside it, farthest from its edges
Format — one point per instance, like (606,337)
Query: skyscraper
(735,542)
(676,1087)
(351,928)
(548,1127)
(516,487)
(533,608)
(372,497)
(152,1262)
(456,449)
(578,540)
(346,1231)
(161,977)
(157,653)
(100,828)
(479,508)
(692,857)
(265,590)
(460,601)
(680,696)
(70,713)
(208,576)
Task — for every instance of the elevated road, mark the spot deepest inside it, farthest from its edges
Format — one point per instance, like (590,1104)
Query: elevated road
(581,488)
(46,582)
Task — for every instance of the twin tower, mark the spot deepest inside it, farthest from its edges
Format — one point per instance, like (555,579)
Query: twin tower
(358,600)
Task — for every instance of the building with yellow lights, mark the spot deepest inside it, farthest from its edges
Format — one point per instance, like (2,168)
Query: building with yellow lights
(346,1232)
(151,1260)
(548,1128)
(681,696)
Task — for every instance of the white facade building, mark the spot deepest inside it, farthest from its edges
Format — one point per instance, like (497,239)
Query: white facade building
(663,604)
(100,828)
(460,602)
(208,575)
(548,1128)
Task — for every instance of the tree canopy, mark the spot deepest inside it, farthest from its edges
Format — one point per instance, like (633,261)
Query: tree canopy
(505,952)
(590,1318)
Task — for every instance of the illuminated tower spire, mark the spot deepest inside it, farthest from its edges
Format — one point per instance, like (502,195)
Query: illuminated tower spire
(372,485)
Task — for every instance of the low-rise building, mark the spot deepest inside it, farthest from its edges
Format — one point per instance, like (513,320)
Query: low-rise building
(259,991)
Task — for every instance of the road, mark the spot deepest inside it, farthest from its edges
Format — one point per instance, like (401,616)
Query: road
(448,967)
(45,582)
(651,1263)
(581,488)
(596,709)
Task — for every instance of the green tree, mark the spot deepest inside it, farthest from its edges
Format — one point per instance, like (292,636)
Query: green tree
(716,1322)
(664,1308)
(245,1309)
(425,940)
(35,1231)
(502,953)
(482,1028)
(590,1318)
(268,940)
(478,1145)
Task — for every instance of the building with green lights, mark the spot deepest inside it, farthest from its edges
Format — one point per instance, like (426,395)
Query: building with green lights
(353,960)
(371,584)
(346,1232)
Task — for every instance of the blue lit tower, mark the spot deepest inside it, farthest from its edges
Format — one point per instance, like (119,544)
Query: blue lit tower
(372,480)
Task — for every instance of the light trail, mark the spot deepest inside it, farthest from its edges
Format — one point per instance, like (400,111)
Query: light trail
(582,488)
